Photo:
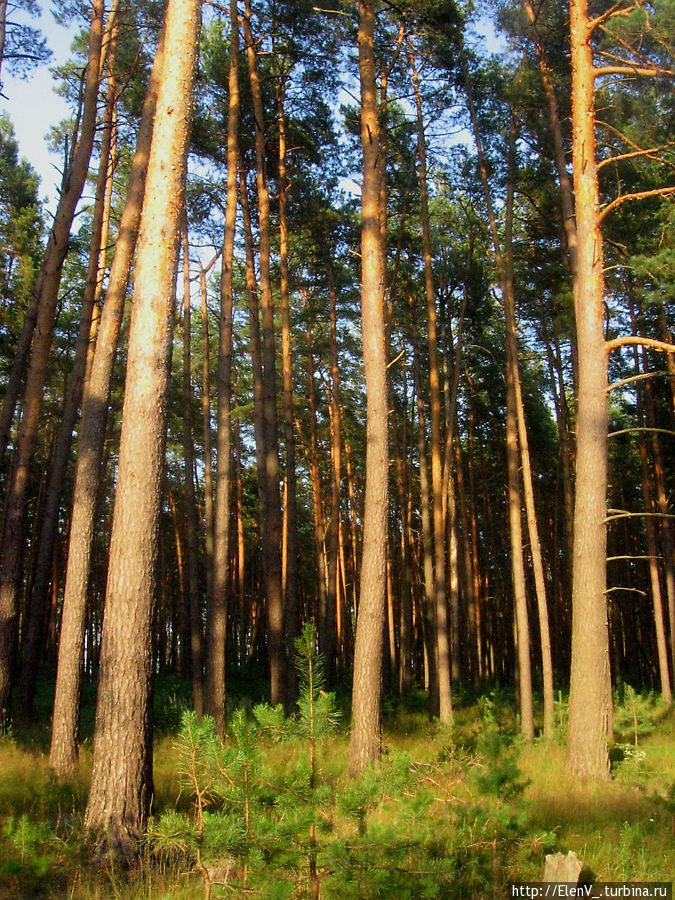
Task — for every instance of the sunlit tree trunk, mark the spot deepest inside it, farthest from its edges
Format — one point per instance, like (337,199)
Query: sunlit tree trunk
(590,707)
(365,743)
(63,754)
(290,506)
(121,782)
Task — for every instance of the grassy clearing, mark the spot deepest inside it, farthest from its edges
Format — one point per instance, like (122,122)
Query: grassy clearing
(456,814)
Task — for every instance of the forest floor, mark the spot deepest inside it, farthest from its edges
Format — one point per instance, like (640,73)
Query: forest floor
(447,814)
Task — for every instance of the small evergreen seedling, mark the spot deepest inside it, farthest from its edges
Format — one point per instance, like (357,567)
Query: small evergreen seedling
(318,716)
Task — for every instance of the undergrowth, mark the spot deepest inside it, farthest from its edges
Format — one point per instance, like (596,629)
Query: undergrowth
(271,813)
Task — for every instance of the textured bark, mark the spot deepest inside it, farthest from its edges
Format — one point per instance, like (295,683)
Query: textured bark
(590,705)
(218,600)
(48,284)
(63,754)
(365,743)
(37,605)
(440,597)
(191,523)
(121,782)
(271,538)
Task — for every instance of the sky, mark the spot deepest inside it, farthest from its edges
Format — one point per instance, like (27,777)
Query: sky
(34,107)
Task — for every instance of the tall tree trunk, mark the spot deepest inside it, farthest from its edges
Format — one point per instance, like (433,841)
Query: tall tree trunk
(217,627)
(181,620)
(121,782)
(48,282)
(271,542)
(365,743)
(528,489)
(63,753)
(256,364)
(191,524)
(336,466)
(427,535)
(290,506)
(206,433)
(441,601)
(315,479)
(590,707)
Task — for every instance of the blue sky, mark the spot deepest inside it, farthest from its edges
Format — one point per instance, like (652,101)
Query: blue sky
(33,106)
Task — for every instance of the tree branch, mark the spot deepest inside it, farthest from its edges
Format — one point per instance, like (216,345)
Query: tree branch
(614,10)
(631,340)
(638,195)
(621,156)
(653,72)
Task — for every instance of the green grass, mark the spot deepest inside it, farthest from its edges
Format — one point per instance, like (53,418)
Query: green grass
(447,813)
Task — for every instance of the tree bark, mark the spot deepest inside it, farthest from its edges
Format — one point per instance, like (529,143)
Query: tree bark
(590,705)
(121,783)
(365,743)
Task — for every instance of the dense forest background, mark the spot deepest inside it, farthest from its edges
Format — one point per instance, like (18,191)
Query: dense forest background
(401,366)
